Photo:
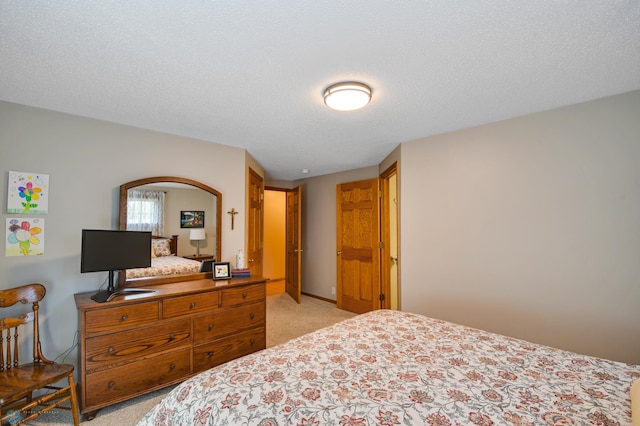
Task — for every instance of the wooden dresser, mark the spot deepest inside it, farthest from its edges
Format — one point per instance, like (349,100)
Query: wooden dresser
(140,343)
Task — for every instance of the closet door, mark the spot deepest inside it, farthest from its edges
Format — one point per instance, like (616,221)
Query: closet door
(358,245)
(255,234)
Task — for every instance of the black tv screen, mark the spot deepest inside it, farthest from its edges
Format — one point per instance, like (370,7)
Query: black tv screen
(104,250)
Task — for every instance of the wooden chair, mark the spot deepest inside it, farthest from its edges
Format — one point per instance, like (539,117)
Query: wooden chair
(27,390)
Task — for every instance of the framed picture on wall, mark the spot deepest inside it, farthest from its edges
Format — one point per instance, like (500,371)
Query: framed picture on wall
(191,219)
(221,271)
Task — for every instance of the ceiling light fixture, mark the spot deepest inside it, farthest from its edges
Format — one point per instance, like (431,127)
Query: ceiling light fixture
(347,96)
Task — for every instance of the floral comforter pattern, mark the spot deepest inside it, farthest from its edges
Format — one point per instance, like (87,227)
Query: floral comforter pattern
(397,368)
(166,265)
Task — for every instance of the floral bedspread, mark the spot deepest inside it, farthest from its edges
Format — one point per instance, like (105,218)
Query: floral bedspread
(165,265)
(396,368)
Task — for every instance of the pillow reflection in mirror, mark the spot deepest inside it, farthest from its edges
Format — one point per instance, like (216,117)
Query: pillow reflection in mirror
(161,247)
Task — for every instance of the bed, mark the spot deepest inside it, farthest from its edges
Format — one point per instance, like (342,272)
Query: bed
(164,260)
(396,368)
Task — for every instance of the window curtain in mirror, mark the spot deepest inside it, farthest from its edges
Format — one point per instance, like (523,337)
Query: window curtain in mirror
(145,211)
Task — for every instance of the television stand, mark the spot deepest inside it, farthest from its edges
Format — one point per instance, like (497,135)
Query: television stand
(109,295)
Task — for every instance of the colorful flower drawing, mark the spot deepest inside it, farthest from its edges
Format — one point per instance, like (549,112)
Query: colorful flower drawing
(27,193)
(25,237)
(30,194)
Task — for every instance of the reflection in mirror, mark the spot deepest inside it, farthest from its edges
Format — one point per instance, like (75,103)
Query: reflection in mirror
(176,211)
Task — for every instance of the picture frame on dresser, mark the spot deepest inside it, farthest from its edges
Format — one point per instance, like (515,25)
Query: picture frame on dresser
(221,270)
(207,265)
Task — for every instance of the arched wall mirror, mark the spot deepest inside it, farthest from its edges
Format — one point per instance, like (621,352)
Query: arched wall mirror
(186,208)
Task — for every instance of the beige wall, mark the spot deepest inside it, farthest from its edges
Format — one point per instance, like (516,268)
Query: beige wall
(177,200)
(188,198)
(530,227)
(87,160)
(275,203)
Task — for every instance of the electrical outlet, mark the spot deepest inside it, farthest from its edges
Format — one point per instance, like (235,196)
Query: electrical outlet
(333,291)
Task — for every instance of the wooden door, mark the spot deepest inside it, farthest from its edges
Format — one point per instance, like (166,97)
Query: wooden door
(293,276)
(358,245)
(255,217)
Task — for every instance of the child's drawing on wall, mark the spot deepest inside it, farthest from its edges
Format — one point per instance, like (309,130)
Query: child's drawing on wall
(28,193)
(25,237)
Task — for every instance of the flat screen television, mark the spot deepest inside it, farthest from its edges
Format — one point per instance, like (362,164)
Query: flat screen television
(107,250)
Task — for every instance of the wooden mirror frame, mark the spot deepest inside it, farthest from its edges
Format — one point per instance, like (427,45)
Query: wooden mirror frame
(124,196)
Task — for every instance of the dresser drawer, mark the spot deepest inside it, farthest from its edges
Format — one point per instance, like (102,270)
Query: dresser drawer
(104,351)
(241,318)
(204,329)
(107,387)
(248,294)
(121,317)
(187,305)
(220,351)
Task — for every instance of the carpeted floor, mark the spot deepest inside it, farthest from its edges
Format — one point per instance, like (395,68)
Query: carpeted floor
(285,320)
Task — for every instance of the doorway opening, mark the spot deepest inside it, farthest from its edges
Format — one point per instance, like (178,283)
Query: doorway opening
(275,210)
(292,239)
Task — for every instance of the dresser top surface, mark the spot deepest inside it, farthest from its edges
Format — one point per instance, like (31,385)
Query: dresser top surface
(84,301)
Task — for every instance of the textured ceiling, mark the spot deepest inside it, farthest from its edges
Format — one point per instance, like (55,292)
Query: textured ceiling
(251,74)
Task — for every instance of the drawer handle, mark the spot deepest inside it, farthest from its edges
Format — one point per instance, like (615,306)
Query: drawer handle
(125,317)
(252,315)
(192,305)
(111,384)
(244,295)
(172,366)
(111,350)
(252,341)
(172,336)
(209,354)
(211,326)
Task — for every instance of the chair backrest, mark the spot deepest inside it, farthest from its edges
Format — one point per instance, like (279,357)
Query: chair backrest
(10,326)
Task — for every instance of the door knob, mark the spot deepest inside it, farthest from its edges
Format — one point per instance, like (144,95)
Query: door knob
(339,253)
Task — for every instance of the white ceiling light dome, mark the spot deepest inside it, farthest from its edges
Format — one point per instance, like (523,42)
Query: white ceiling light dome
(347,96)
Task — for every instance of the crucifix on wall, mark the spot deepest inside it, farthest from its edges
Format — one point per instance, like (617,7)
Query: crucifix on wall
(233,214)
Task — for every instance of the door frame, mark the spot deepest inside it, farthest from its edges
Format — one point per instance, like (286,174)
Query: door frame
(386,233)
(255,267)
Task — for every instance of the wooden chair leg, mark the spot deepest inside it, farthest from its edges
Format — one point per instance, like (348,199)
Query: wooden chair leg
(74,400)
